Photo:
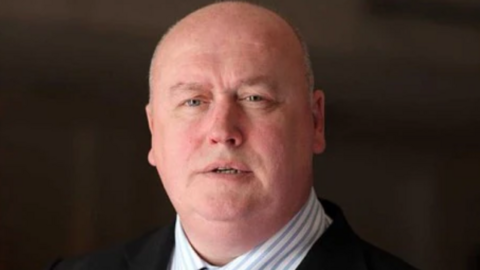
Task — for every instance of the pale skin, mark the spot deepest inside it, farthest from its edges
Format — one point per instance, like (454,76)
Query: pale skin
(233,126)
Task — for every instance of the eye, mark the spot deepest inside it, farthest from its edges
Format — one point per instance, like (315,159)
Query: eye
(254,98)
(193,102)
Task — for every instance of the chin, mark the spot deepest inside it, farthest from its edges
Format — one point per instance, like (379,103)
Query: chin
(224,208)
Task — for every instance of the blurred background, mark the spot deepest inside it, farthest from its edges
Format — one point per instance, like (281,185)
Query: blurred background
(403,123)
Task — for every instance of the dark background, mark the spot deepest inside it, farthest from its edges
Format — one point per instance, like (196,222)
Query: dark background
(403,123)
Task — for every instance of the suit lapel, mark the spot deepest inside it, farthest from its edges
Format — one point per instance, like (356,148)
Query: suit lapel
(153,251)
(338,248)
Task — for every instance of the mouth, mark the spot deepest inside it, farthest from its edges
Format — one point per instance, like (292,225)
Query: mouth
(230,168)
(226,170)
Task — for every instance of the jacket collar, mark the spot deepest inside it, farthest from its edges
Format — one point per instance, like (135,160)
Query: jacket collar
(338,248)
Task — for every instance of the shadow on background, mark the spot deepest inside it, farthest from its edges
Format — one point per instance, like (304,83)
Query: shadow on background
(403,118)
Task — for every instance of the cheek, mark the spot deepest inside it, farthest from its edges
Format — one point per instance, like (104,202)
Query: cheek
(173,145)
(269,143)
(282,143)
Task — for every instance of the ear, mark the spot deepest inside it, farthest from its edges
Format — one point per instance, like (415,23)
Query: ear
(318,107)
(149,112)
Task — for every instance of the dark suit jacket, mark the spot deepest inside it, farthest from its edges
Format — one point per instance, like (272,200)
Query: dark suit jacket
(337,249)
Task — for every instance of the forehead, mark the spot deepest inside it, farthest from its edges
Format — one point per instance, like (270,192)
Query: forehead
(222,53)
(240,55)
(254,41)
(206,66)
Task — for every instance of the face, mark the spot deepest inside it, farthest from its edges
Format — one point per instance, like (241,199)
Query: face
(233,127)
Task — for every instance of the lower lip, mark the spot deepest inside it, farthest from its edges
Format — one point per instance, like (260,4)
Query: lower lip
(237,176)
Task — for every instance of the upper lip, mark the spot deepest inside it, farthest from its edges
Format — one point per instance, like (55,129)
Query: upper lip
(226,164)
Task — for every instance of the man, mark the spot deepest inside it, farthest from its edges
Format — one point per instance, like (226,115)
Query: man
(234,123)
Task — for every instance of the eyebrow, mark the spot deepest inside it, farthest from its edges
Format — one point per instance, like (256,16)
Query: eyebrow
(186,86)
(264,81)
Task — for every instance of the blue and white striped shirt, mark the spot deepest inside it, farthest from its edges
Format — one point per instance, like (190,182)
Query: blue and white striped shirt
(284,251)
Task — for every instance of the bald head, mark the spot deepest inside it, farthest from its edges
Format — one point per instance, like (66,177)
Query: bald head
(242,20)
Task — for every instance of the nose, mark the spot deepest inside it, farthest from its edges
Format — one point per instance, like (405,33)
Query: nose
(225,125)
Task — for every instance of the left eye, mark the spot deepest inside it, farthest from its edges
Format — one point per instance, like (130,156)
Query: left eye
(254,98)
(193,102)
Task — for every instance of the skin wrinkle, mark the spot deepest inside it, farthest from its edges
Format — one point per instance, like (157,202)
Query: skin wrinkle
(274,138)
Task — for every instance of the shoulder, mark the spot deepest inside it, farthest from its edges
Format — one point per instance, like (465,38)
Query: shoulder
(341,248)
(124,256)
(111,258)
(377,259)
